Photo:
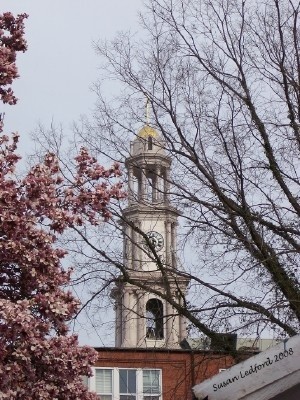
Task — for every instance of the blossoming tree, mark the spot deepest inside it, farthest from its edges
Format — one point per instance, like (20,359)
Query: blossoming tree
(38,359)
(11,41)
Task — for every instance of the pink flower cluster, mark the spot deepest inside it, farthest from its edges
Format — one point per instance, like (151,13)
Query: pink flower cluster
(11,41)
(38,360)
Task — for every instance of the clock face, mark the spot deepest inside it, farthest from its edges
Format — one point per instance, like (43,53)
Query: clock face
(156,240)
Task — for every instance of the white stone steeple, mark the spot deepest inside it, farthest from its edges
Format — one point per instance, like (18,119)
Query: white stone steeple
(145,319)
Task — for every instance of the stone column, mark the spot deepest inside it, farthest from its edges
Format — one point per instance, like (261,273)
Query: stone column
(159,187)
(168,243)
(141,318)
(129,330)
(126,316)
(140,252)
(139,189)
(143,183)
(173,244)
(130,185)
(128,246)
(134,246)
(155,183)
(167,185)
(133,321)
(169,324)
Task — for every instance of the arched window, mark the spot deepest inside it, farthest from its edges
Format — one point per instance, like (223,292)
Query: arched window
(154,319)
(150,143)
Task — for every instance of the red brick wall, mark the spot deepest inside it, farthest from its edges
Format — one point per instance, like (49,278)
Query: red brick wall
(181,369)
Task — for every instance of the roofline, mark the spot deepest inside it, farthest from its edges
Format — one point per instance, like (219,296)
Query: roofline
(164,350)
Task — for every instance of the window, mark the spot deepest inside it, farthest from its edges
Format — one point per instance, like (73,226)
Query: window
(126,384)
(154,319)
(104,383)
(151,384)
(150,143)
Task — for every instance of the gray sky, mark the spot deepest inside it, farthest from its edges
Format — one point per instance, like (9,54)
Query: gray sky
(60,66)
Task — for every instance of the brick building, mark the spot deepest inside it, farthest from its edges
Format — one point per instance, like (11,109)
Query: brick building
(153,374)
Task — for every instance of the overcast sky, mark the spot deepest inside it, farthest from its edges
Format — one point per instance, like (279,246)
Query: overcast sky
(60,66)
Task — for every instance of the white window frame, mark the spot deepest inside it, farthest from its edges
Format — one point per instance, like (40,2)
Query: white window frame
(115,382)
(92,382)
(159,383)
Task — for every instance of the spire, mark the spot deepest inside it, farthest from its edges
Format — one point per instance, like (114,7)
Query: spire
(147,111)
(147,131)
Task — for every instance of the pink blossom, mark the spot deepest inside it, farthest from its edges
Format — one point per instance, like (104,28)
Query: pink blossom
(11,41)
(38,359)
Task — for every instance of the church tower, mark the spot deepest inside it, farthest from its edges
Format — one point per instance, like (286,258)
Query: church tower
(145,319)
